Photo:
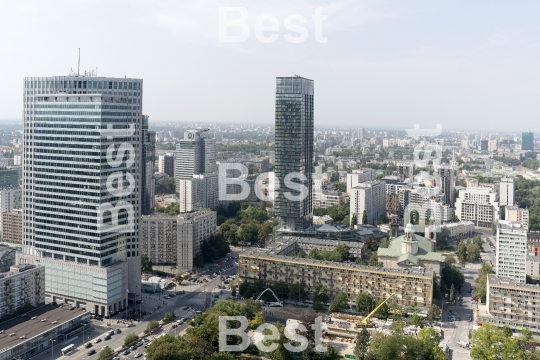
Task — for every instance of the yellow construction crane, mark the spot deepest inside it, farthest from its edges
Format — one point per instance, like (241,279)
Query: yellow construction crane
(364,323)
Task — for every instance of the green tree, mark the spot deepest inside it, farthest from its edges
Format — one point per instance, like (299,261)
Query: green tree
(415,320)
(168,347)
(442,238)
(130,339)
(321,294)
(165,185)
(397,327)
(480,284)
(429,337)
(152,325)
(364,304)
(450,259)
(452,295)
(180,276)
(507,331)
(339,303)
(146,264)
(374,260)
(489,342)
(462,252)
(257,321)
(106,353)
(364,218)
(526,334)
(169,317)
(233,292)
(473,252)
(382,312)
(362,344)
(434,312)
(385,242)
(354,220)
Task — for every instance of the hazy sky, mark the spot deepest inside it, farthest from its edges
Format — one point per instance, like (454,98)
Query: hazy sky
(465,64)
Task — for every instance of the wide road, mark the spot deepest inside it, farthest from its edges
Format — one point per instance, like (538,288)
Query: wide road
(198,299)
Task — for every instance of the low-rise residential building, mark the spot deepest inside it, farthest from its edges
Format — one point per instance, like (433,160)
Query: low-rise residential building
(462,229)
(23,284)
(322,220)
(533,267)
(12,226)
(176,240)
(512,303)
(324,198)
(533,242)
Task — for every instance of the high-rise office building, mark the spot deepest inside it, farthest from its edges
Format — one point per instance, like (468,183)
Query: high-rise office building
(361,134)
(294,149)
(446,175)
(166,164)
(479,205)
(506,192)
(82,188)
(483,145)
(147,169)
(527,141)
(511,250)
(196,171)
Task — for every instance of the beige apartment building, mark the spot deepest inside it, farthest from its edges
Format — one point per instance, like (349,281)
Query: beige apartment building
(176,240)
(12,226)
(512,303)
(23,284)
(412,286)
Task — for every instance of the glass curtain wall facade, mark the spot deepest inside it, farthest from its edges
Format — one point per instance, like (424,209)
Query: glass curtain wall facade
(81,188)
(294,148)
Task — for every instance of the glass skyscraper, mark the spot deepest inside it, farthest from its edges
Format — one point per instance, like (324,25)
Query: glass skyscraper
(527,141)
(294,148)
(82,188)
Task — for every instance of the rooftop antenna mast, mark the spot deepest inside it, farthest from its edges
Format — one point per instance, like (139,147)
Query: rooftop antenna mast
(79,64)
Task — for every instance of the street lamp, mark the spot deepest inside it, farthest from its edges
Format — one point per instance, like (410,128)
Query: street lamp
(52,350)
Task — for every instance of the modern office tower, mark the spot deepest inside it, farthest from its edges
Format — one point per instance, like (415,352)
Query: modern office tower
(516,214)
(446,174)
(368,197)
(9,178)
(506,192)
(479,205)
(361,134)
(483,145)
(22,285)
(12,226)
(511,250)
(82,188)
(527,141)
(405,170)
(294,150)
(166,164)
(147,169)
(361,175)
(196,171)
(176,240)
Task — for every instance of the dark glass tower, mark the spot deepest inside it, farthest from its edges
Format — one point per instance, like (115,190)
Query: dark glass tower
(527,141)
(294,148)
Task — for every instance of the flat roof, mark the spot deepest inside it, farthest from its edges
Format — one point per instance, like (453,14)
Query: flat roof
(24,326)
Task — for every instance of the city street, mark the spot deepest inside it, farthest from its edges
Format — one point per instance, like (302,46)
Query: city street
(197,297)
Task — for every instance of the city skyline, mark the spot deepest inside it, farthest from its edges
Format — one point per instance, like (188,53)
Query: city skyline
(383,64)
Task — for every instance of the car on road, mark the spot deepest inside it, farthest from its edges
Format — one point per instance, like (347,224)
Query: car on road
(98,340)
(138,355)
(116,358)
(108,337)
(88,345)
(133,348)
(126,352)
(91,352)
(118,331)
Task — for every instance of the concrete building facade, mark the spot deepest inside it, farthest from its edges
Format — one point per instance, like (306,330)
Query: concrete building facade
(23,284)
(368,196)
(511,251)
(479,205)
(12,226)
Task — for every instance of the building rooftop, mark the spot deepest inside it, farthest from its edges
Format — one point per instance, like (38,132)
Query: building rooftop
(506,282)
(424,250)
(25,326)
(412,272)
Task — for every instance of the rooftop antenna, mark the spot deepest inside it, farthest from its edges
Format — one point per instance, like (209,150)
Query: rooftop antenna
(79,64)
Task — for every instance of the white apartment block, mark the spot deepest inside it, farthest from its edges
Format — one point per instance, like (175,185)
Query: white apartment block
(176,240)
(199,192)
(479,205)
(23,284)
(506,192)
(462,228)
(370,197)
(324,199)
(511,251)
(516,214)
(359,176)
